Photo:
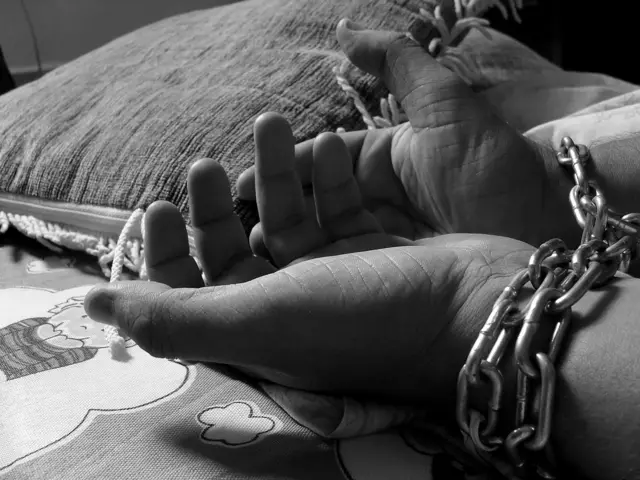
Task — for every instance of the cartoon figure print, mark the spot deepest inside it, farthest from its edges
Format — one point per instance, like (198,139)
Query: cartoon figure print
(57,373)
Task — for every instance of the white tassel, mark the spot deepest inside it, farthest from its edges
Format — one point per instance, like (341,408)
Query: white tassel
(116,342)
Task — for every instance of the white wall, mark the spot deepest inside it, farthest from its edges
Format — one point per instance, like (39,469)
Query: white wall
(66,29)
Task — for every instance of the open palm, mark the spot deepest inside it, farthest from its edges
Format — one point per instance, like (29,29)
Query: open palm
(456,166)
(351,309)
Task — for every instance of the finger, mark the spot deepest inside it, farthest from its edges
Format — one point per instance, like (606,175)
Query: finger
(418,81)
(166,249)
(246,184)
(220,240)
(256,236)
(161,320)
(336,193)
(289,231)
(256,242)
(211,324)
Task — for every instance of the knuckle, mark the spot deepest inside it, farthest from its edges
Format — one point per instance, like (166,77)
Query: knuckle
(394,50)
(149,328)
(342,216)
(139,327)
(329,186)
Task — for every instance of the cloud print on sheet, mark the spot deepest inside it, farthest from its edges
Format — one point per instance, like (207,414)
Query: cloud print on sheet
(57,375)
(236,424)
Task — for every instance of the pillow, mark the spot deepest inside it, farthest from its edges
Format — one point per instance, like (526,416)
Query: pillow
(119,127)
(116,129)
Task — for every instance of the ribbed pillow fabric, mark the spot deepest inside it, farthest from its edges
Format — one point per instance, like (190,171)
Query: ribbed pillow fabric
(120,126)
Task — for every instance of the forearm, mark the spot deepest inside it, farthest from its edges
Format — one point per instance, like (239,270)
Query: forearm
(597,414)
(596,431)
(596,420)
(615,167)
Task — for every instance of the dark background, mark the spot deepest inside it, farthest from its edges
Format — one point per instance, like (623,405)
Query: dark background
(579,35)
(6,81)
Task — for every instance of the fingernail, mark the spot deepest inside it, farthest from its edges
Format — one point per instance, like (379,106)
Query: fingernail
(349,25)
(99,305)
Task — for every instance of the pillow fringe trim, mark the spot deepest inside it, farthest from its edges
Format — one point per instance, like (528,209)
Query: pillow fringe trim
(113,255)
(55,237)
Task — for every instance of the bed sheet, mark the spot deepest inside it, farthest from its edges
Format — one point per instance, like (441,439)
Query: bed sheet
(70,411)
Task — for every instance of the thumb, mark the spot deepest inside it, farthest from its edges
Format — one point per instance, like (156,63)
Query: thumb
(204,324)
(415,78)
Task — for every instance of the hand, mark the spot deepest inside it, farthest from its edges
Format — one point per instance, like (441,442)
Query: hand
(393,321)
(455,167)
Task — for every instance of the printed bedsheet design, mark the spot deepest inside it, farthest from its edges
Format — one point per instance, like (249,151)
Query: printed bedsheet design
(70,411)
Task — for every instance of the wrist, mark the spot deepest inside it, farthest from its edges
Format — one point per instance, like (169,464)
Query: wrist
(595,429)
(558,218)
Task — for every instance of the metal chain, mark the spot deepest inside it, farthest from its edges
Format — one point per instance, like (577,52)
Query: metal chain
(560,278)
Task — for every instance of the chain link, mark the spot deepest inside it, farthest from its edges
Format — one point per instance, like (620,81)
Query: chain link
(560,278)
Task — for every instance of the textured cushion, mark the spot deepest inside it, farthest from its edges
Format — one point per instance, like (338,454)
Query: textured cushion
(118,128)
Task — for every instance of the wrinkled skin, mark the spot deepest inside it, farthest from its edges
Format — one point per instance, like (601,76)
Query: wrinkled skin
(455,167)
(353,307)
